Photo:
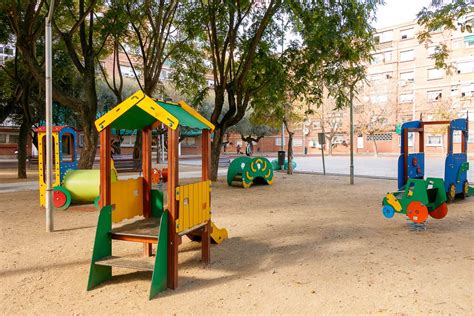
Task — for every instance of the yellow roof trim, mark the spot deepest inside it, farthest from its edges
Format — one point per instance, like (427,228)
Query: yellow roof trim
(145,103)
(196,114)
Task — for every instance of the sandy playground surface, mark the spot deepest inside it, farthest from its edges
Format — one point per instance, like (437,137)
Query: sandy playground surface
(307,244)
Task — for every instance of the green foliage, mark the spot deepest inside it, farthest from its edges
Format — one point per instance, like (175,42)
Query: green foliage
(251,128)
(443,17)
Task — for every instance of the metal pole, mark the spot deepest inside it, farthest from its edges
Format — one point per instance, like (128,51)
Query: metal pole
(322,153)
(49,116)
(351,131)
(282,147)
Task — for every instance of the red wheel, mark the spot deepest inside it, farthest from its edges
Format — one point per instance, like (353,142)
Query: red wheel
(440,211)
(417,212)
(59,199)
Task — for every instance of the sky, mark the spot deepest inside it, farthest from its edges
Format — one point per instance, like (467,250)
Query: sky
(398,11)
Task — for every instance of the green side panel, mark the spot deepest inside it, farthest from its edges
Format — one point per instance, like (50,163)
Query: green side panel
(96,202)
(68,197)
(293,163)
(236,167)
(156,203)
(160,271)
(84,184)
(462,169)
(102,249)
(436,183)
(275,165)
(134,118)
(471,191)
(184,118)
(260,170)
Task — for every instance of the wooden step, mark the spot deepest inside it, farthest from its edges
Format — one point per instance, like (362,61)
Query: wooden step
(139,264)
(145,230)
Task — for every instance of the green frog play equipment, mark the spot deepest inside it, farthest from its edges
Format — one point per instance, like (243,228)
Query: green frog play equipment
(245,171)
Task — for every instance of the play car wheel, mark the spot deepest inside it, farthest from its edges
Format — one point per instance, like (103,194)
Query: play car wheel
(388,211)
(417,212)
(465,189)
(440,212)
(61,198)
(451,192)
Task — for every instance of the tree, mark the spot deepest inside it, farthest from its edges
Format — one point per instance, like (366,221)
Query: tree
(446,16)
(250,131)
(82,34)
(443,111)
(330,120)
(376,107)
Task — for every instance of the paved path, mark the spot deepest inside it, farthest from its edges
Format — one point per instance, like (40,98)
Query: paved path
(385,167)
(33,185)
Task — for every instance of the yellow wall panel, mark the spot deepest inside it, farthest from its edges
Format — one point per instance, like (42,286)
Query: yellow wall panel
(127,195)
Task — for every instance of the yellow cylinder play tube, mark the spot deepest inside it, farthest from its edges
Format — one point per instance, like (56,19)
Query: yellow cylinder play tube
(84,184)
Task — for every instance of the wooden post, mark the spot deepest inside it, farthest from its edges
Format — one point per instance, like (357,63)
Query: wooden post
(146,169)
(206,233)
(173,178)
(405,155)
(206,144)
(105,192)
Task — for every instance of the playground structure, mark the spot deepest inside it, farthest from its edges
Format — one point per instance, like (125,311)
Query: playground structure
(420,199)
(70,185)
(412,165)
(276,166)
(245,171)
(152,219)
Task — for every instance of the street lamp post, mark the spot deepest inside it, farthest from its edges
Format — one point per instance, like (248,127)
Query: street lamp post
(49,116)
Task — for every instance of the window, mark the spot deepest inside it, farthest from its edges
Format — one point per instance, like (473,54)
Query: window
(13,138)
(454,91)
(434,140)
(387,57)
(3,138)
(434,73)
(377,59)
(407,33)
(407,76)
(434,96)
(297,142)
(380,76)
(386,36)
(379,98)
(407,97)
(469,41)
(456,44)
(431,50)
(465,67)
(278,141)
(467,90)
(407,55)
(128,71)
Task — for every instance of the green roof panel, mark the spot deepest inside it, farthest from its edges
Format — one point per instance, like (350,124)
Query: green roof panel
(134,118)
(185,119)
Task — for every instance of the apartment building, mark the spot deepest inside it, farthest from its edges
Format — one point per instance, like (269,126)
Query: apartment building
(6,51)
(403,84)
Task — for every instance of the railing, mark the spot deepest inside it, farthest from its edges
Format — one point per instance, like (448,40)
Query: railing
(194,205)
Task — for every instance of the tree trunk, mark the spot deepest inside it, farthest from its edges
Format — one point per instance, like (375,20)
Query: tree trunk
(86,161)
(22,148)
(329,146)
(290,152)
(376,152)
(216,145)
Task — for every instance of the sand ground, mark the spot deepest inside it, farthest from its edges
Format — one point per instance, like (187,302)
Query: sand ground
(307,244)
